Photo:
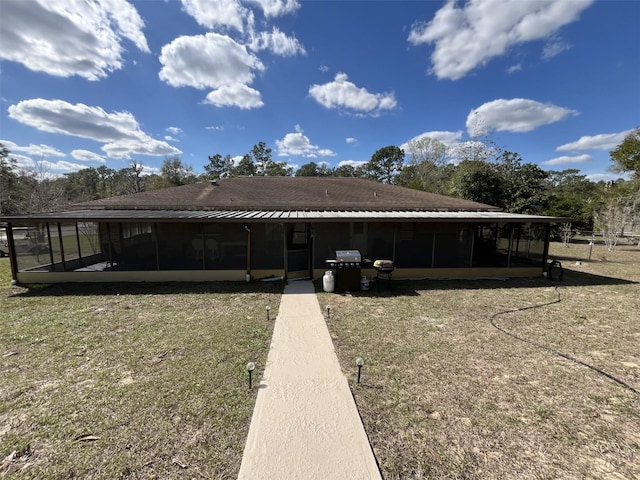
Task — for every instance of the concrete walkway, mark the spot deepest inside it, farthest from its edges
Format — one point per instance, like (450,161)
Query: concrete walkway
(305,424)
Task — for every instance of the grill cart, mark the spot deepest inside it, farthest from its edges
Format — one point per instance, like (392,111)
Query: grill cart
(347,267)
(384,268)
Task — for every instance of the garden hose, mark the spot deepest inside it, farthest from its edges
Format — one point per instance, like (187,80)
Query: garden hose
(551,350)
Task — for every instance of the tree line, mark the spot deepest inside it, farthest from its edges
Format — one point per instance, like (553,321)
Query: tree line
(477,170)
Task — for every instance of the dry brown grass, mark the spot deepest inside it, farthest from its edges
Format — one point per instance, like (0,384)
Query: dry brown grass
(148,381)
(447,395)
(129,381)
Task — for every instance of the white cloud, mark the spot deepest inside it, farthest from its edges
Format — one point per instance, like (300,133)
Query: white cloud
(278,43)
(23,162)
(237,159)
(469,36)
(515,115)
(147,170)
(87,156)
(603,141)
(65,38)
(235,95)
(46,168)
(217,13)
(217,128)
(604,177)
(8,144)
(296,144)
(344,94)
(174,130)
(554,47)
(568,160)
(448,138)
(37,159)
(143,145)
(212,61)
(276,8)
(207,61)
(118,131)
(352,163)
(351,140)
(55,169)
(514,68)
(35,150)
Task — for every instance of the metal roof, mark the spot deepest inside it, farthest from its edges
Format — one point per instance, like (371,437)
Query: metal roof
(107,215)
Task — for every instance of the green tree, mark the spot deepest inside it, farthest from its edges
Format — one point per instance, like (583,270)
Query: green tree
(524,185)
(173,173)
(278,169)
(479,181)
(312,169)
(265,165)
(261,157)
(626,156)
(245,167)
(11,189)
(346,171)
(105,181)
(129,180)
(572,195)
(218,166)
(385,164)
(81,186)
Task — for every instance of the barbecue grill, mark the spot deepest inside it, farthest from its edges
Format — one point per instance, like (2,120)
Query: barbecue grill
(346,266)
(384,268)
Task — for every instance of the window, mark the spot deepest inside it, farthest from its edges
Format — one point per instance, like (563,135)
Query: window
(133,229)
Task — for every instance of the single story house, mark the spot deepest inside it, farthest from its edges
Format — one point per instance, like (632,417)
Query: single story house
(250,228)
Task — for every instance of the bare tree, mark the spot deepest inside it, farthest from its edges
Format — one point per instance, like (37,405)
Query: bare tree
(42,192)
(567,233)
(428,164)
(89,231)
(615,213)
(479,146)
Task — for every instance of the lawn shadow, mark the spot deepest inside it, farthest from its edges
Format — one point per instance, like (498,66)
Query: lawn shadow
(570,278)
(396,288)
(149,288)
(408,288)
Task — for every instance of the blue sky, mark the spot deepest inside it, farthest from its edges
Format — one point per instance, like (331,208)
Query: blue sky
(111,82)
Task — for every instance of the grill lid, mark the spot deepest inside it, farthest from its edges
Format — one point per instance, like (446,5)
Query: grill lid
(348,256)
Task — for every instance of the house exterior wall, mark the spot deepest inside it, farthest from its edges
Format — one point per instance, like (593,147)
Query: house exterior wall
(199,251)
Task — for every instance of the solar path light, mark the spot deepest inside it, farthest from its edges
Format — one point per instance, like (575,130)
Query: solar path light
(359,363)
(268,311)
(250,368)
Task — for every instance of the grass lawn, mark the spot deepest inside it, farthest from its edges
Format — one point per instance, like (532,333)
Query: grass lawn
(129,381)
(148,381)
(445,394)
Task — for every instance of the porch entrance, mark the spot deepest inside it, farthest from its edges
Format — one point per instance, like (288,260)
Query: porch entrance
(298,256)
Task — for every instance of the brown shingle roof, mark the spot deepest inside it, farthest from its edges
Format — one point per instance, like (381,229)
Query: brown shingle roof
(289,193)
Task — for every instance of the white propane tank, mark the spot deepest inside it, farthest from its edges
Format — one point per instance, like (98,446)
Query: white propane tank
(328,281)
(364,283)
